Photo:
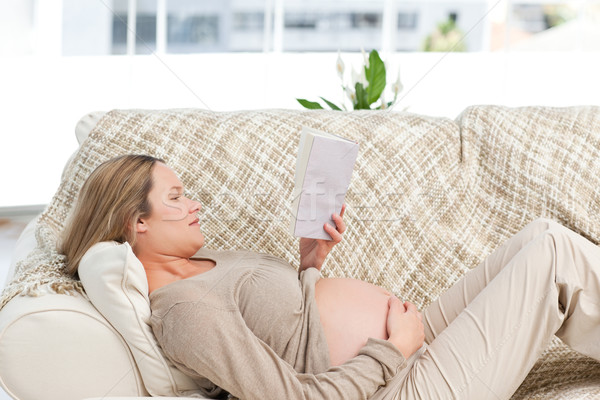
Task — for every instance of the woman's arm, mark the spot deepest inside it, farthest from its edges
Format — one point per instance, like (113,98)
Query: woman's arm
(218,346)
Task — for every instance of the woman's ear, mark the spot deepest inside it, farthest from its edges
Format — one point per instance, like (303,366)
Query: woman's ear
(141,226)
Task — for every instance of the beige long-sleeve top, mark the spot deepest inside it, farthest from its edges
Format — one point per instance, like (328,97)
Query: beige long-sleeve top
(250,326)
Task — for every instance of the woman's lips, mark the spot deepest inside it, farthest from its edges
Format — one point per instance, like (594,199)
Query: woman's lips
(195,222)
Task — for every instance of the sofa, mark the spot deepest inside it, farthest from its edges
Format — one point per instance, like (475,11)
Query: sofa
(430,197)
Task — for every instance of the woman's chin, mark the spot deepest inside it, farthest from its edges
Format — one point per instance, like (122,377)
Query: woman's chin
(200,241)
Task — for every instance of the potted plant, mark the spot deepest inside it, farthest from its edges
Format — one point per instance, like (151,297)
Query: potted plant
(366,87)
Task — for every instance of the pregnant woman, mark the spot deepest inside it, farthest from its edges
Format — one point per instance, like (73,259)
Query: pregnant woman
(249,324)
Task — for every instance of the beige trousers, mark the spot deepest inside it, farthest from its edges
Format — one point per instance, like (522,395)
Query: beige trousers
(485,333)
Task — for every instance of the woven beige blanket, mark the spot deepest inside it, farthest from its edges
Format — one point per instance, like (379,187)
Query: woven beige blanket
(429,198)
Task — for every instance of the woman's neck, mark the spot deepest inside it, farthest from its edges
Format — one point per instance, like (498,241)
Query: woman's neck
(162,270)
(174,266)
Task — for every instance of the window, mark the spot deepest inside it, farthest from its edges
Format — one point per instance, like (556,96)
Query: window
(407,20)
(248,21)
(366,20)
(332,31)
(301,21)
(91,27)
(193,33)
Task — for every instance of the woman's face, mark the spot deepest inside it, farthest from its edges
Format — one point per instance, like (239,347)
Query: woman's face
(172,229)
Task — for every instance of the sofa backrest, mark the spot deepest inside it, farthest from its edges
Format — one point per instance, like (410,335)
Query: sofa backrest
(429,197)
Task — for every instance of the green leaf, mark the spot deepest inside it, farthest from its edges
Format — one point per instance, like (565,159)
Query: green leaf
(361,97)
(330,104)
(311,105)
(375,74)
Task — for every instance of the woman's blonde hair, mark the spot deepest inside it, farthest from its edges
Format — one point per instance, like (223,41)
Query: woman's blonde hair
(109,204)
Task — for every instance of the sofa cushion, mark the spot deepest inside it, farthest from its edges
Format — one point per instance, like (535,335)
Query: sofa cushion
(115,282)
(25,243)
(86,124)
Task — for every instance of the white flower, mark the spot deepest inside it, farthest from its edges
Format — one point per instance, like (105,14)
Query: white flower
(365,56)
(359,77)
(351,94)
(397,86)
(340,65)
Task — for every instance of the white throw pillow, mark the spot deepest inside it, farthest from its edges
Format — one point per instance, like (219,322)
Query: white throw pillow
(115,281)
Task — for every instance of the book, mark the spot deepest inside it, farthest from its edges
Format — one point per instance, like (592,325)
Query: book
(323,170)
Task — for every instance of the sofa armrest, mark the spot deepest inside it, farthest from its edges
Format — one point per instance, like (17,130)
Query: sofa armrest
(59,363)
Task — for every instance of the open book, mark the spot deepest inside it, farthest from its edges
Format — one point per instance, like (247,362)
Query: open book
(323,171)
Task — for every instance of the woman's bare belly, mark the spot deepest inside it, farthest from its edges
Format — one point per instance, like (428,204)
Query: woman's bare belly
(351,312)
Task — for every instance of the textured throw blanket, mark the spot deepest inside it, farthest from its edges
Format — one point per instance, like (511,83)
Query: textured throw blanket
(429,198)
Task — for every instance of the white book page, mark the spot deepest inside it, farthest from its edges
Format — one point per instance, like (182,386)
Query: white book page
(326,181)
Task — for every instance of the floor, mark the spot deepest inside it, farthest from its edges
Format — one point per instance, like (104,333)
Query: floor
(10,229)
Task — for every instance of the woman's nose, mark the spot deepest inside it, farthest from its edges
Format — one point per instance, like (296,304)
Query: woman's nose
(195,206)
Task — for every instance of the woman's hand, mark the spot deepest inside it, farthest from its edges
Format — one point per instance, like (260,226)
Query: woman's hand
(314,251)
(405,327)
